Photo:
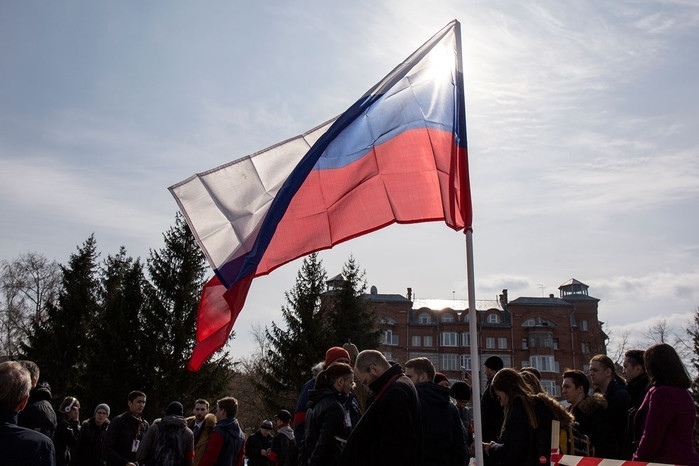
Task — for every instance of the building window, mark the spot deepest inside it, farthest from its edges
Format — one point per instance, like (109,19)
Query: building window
(465,339)
(388,338)
(493,318)
(449,339)
(525,343)
(424,318)
(551,387)
(490,342)
(583,325)
(417,340)
(555,343)
(543,363)
(427,341)
(465,362)
(447,317)
(585,347)
(502,343)
(449,362)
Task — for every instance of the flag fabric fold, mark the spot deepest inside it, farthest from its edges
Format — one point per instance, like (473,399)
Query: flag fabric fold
(397,155)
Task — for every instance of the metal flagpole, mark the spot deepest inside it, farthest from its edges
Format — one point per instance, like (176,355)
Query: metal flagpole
(475,360)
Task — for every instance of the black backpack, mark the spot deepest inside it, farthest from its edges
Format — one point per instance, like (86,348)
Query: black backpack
(168,449)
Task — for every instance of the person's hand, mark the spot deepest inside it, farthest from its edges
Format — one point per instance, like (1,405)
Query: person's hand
(263,452)
(486,447)
(467,377)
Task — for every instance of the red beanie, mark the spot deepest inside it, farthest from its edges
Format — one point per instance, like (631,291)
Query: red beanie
(335,353)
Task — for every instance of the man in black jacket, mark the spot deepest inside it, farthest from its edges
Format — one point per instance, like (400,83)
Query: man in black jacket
(389,433)
(125,433)
(492,415)
(637,386)
(19,446)
(443,433)
(39,414)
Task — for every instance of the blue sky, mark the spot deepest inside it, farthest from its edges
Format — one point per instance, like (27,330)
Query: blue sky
(582,119)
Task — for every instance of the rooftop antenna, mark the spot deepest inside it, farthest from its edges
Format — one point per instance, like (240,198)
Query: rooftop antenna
(541,287)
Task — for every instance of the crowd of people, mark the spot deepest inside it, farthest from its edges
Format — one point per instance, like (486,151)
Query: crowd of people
(360,409)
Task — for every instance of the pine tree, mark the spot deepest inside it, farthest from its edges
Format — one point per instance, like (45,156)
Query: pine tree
(58,342)
(113,360)
(349,316)
(294,349)
(177,273)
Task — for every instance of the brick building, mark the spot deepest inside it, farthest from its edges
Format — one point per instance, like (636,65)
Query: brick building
(549,333)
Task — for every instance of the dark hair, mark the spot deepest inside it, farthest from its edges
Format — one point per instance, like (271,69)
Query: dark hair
(135,394)
(67,404)
(532,370)
(328,377)
(607,362)
(578,378)
(229,404)
(201,401)
(422,366)
(32,368)
(461,391)
(664,366)
(510,382)
(635,356)
(533,382)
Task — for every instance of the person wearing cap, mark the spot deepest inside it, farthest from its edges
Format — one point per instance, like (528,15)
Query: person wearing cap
(89,449)
(126,432)
(227,441)
(168,438)
(389,433)
(443,434)
(201,424)
(441,379)
(461,393)
(492,414)
(334,354)
(284,450)
(258,444)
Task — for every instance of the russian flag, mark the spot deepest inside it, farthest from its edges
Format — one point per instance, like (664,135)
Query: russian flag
(398,155)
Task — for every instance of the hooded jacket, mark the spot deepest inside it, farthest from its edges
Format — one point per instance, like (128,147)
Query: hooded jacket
(89,450)
(443,434)
(226,445)
(592,419)
(39,414)
(146,448)
(325,421)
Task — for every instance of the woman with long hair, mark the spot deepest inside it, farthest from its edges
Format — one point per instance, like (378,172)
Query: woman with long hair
(525,437)
(327,420)
(667,414)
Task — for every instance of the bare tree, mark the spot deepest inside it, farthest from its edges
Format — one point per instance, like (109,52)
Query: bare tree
(27,285)
(617,346)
